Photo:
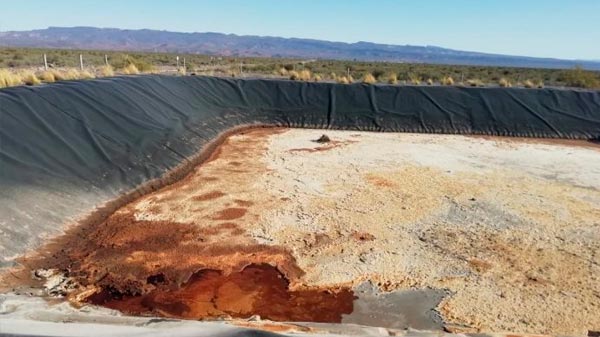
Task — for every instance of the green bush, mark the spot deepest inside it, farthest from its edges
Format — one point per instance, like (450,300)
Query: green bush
(580,78)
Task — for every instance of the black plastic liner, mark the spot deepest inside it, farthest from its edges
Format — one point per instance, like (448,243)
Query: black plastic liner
(68,147)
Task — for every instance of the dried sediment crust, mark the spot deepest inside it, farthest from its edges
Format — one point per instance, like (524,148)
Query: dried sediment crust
(507,229)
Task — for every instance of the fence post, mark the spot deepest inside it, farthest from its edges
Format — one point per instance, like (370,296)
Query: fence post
(81,61)
(106,59)
(177,62)
(45,62)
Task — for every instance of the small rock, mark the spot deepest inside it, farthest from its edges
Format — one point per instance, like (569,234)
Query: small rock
(323,139)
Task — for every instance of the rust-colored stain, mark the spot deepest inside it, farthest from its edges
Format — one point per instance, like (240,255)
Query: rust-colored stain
(209,196)
(243,203)
(182,270)
(230,213)
(380,181)
(329,146)
(479,265)
(255,290)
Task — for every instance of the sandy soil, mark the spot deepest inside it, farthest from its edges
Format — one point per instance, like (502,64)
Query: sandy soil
(509,230)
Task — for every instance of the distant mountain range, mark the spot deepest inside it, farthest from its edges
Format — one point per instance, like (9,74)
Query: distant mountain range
(264,46)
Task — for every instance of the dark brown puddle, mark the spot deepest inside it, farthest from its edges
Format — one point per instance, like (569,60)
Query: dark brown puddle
(255,290)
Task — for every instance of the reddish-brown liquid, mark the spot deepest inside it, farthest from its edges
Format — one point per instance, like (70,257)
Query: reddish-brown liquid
(255,290)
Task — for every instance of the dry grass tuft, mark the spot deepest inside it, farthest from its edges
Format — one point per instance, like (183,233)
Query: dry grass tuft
(283,71)
(9,79)
(305,75)
(47,76)
(393,78)
(343,80)
(86,75)
(106,71)
(317,78)
(540,84)
(67,75)
(475,82)
(503,82)
(429,81)
(130,69)
(58,75)
(447,80)
(29,78)
(74,74)
(369,79)
(294,76)
(528,84)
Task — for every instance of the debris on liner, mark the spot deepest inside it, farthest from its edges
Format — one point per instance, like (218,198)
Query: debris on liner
(323,139)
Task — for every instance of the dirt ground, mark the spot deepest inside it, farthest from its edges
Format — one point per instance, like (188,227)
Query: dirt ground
(508,229)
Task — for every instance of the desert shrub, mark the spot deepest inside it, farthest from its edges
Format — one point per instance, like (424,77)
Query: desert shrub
(333,76)
(377,73)
(343,80)
(282,71)
(580,78)
(317,78)
(528,84)
(393,78)
(539,84)
(414,79)
(429,81)
(47,76)
(189,66)
(350,79)
(503,82)
(9,79)
(305,75)
(130,69)
(294,76)
(447,80)
(144,67)
(106,71)
(128,62)
(475,82)
(29,78)
(369,79)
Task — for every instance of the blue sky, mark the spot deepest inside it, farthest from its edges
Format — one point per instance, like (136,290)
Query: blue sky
(546,28)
